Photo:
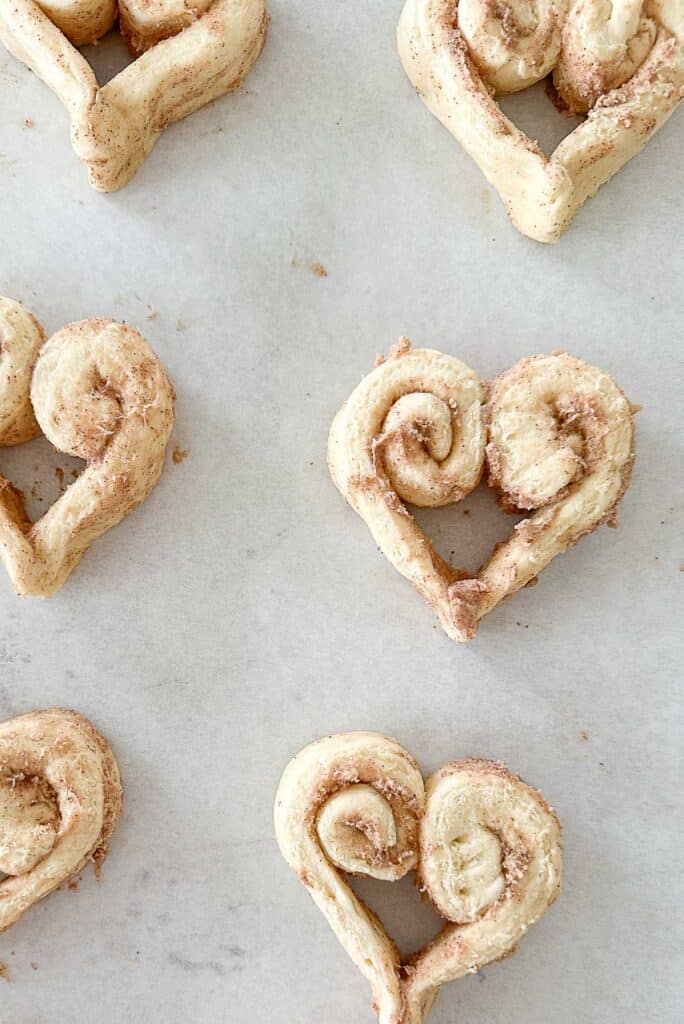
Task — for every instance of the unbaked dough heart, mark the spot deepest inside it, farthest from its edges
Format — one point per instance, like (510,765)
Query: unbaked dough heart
(556,436)
(98,392)
(190,54)
(623,60)
(486,849)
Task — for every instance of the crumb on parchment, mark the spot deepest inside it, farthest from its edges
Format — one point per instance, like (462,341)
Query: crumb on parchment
(317,268)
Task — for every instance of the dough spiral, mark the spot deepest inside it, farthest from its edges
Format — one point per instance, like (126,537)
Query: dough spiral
(623,63)
(413,429)
(353,802)
(561,441)
(604,44)
(60,797)
(513,45)
(191,55)
(485,846)
(98,392)
(558,436)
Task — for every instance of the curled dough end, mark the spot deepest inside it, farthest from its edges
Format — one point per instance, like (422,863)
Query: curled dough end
(556,435)
(491,864)
(561,441)
(411,431)
(353,802)
(486,847)
(60,798)
(97,392)
(603,45)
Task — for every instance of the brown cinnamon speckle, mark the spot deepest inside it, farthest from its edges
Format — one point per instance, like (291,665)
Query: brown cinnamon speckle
(179,455)
(318,269)
(4,971)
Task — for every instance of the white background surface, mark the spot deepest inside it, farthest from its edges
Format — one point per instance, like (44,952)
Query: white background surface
(243,610)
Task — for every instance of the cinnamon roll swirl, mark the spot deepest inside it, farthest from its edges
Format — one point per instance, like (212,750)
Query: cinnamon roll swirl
(603,45)
(60,797)
(412,431)
(512,44)
(353,803)
(561,442)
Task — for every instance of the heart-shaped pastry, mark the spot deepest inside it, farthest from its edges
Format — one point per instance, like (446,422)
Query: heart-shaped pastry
(555,435)
(621,64)
(98,392)
(486,849)
(60,797)
(191,54)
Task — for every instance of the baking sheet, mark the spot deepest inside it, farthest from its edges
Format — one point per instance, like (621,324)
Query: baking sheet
(243,610)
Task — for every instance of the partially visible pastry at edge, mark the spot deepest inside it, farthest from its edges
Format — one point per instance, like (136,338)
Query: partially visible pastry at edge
(60,798)
(622,64)
(554,434)
(98,392)
(486,849)
(188,55)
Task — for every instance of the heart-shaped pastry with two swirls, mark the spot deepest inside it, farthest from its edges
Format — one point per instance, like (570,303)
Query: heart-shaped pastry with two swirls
(97,391)
(619,65)
(554,435)
(486,849)
(187,55)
